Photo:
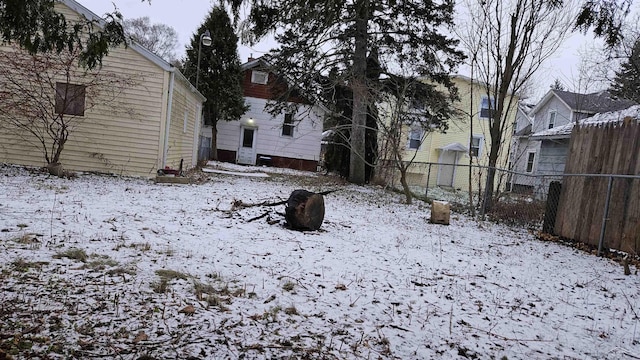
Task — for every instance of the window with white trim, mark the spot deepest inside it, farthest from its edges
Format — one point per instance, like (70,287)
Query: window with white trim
(259,77)
(487,108)
(531,157)
(476,145)
(415,137)
(287,126)
(552,119)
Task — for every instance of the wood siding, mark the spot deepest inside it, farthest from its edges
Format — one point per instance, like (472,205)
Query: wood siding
(269,91)
(459,132)
(125,136)
(304,144)
(541,117)
(183,139)
(604,149)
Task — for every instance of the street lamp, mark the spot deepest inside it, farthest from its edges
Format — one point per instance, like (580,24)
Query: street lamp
(205,39)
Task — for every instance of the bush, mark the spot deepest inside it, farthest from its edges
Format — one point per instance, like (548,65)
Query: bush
(520,212)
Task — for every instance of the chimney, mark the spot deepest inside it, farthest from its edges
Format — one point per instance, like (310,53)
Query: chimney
(251,58)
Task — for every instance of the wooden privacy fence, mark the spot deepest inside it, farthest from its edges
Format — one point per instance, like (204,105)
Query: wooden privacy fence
(602,208)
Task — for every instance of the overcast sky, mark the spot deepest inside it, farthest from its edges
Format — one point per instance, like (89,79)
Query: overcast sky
(185,16)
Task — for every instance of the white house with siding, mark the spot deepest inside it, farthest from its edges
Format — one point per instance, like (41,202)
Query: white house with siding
(156,124)
(545,150)
(290,139)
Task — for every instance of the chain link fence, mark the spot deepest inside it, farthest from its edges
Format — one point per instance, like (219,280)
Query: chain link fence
(601,210)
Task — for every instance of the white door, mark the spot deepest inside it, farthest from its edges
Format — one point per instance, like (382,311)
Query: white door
(446,173)
(247,149)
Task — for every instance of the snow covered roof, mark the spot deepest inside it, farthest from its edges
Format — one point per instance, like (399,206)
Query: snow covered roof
(454,147)
(258,62)
(597,102)
(525,107)
(612,117)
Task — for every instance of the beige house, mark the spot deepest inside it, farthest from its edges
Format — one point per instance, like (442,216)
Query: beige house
(442,159)
(149,122)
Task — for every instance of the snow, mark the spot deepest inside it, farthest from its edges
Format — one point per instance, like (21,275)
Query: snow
(599,118)
(376,281)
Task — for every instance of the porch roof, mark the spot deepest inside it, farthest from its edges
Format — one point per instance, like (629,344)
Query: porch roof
(454,147)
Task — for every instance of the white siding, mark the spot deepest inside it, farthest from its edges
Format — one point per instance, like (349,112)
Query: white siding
(304,144)
(541,120)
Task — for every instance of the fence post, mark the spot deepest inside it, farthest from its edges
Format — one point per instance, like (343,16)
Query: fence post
(426,191)
(605,216)
(553,198)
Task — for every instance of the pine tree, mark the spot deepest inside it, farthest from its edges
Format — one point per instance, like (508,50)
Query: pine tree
(557,85)
(220,79)
(626,83)
(316,37)
(37,27)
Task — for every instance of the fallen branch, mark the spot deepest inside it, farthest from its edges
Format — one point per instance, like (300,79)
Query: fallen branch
(240,204)
(630,306)
(398,328)
(258,217)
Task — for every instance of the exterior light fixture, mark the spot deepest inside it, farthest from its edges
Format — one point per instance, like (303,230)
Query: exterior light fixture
(205,39)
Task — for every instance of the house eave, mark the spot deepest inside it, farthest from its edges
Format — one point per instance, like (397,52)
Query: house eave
(155,59)
(549,137)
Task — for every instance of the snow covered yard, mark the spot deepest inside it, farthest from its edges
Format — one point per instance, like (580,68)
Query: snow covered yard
(107,267)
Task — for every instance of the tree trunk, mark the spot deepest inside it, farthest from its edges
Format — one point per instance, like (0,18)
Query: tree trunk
(489,186)
(214,142)
(405,185)
(359,88)
(304,210)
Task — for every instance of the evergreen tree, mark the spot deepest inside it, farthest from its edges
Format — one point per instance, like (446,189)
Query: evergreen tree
(604,17)
(626,83)
(317,36)
(557,85)
(220,79)
(35,26)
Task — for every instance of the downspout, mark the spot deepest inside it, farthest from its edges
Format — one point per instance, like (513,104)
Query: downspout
(167,129)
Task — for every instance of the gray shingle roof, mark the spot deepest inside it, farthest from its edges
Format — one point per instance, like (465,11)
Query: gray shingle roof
(597,102)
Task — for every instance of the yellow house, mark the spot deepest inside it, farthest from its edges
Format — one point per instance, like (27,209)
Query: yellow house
(443,159)
(151,123)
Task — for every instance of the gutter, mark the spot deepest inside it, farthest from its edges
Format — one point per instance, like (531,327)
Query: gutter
(167,129)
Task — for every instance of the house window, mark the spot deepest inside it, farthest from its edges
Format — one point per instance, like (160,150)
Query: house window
(70,99)
(259,77)
(415,137)
(487,108)
(287,126)
(476,143)
(530,159)
(552,119)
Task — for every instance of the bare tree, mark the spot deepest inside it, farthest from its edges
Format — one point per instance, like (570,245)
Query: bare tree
(316,38)
(410,110)
(512,39)
(160,39)
(46,96)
